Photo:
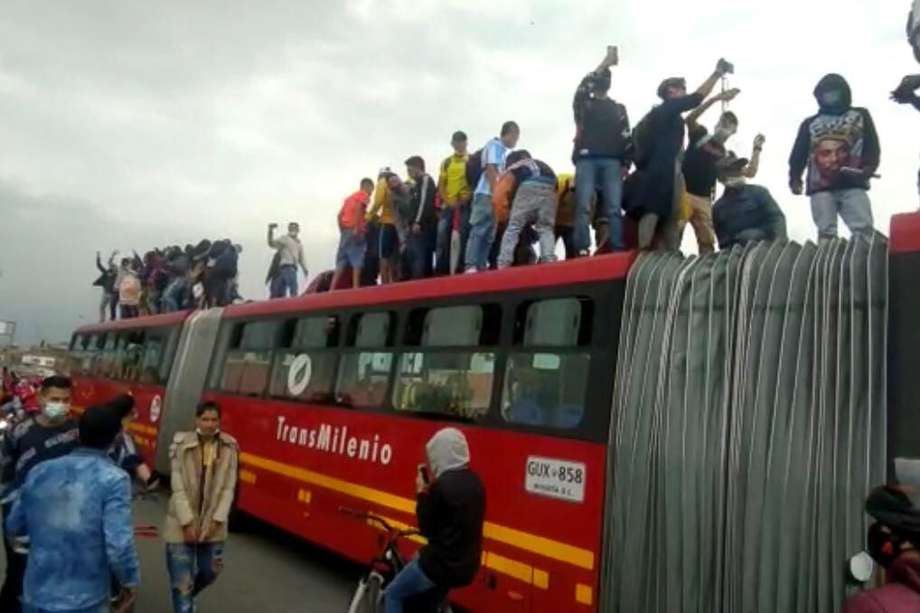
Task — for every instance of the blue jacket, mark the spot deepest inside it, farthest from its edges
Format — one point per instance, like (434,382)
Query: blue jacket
(747,212)
(76,511)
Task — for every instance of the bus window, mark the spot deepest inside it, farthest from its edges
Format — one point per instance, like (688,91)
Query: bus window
(250,356)
(129,354)
(365,373)
(105,362)
(546,378)
(157,356)
(304,367)
(452,371)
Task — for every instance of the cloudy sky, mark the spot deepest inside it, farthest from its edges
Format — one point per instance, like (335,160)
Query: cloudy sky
(133,124)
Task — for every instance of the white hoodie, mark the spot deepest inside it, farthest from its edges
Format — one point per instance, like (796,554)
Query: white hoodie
(447,450)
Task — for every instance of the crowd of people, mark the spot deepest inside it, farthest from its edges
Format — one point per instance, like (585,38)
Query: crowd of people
(634,187)
(168,279)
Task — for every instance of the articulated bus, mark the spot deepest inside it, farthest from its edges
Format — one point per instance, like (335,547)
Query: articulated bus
(333,396)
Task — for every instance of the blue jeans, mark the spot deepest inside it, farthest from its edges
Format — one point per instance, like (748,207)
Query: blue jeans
(409,582)
(852,205)
(285,282)
(606,174)
(192,567)
(103,607)
(445,230)
(482,232)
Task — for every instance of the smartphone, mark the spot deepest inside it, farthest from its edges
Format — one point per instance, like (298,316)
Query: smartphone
(423,472)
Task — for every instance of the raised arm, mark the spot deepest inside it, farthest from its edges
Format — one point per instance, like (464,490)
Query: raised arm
(99,265)
(271,235)
(696,113)
(750,171)
(583,91)
(722,69)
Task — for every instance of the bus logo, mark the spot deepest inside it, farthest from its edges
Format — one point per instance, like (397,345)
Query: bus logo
(556,478)
(299,374)
(155,406)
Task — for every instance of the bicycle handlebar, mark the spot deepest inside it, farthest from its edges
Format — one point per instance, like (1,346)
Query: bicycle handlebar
(368,516)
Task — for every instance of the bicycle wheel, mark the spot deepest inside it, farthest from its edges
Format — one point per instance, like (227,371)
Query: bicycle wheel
(368,597)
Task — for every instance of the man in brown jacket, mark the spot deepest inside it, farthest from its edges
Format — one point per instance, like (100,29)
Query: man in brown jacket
(204,473)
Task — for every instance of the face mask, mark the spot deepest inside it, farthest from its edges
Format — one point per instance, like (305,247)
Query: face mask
(734,181)
(832,98)
(55,410)
(883,546)
(200,433)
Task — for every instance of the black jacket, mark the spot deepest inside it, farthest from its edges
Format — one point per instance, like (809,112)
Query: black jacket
(420,208)
(602,125)
(450,515)
(746,208)
(839,135)
(106,280)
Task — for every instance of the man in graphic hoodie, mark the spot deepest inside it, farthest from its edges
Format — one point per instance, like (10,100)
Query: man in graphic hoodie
(840,148)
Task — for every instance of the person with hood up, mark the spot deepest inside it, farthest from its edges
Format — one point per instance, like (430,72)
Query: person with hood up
(892,542)
(745,212)
(450,511)
(839,146)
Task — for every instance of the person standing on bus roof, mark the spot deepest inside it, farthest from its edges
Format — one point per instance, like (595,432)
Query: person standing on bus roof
(534,203)
(840,149)
(382,213)
(290,255)
(106,281)
(456,193)
(422,221)
(76,512)
(601,155)
(490,164)
(44,436)
(204,473)
(353,235)
(450,512)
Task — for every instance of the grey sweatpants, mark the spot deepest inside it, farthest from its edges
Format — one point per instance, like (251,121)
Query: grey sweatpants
(535,202)
(852,205)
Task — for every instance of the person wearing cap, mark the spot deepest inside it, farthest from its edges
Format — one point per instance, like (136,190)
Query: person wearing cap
(745,212)
(455,194)
(353,234)
(450,509)
(383,214)
(76,512)
(290,255)
(421,219)
(601,154)
(892,542)
(658,143)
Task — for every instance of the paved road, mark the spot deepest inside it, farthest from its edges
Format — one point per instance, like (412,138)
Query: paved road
(265,571)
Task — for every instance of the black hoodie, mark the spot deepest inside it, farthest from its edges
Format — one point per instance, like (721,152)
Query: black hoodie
(840,135)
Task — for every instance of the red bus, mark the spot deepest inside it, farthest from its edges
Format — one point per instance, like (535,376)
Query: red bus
(332,397)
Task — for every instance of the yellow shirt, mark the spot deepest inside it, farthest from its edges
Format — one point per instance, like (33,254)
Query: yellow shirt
(382,209)
(452,180)
(565,194)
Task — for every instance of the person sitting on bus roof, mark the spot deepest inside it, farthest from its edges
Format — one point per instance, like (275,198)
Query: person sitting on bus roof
(450,508)
(745,212)
(353,234)
(291,255)
(422,221)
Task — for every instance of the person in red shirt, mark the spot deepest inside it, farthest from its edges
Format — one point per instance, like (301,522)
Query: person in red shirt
(353,229)
(893,540)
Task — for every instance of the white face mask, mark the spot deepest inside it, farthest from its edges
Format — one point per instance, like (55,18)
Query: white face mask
(734,181)
(200,433)
(56,410)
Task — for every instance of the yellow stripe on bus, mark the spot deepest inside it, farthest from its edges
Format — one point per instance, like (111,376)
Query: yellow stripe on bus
(543,546)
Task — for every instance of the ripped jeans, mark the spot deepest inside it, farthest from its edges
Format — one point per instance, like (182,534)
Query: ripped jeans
(192,567)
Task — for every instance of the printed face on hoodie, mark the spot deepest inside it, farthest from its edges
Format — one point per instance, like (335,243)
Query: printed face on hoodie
(831,154)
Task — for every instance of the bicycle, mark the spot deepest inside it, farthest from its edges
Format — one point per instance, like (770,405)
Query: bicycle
(368,596)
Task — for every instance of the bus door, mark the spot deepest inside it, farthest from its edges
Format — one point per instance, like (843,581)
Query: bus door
(187,379)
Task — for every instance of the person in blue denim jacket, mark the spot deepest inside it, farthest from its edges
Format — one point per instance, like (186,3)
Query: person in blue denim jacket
(76,512)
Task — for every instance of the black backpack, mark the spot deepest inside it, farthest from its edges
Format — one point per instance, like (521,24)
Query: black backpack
(474,169)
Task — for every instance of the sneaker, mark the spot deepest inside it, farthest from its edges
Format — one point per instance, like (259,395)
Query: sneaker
(470,271)
(584,253)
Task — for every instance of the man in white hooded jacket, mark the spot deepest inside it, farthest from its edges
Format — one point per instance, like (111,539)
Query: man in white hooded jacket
(450,511)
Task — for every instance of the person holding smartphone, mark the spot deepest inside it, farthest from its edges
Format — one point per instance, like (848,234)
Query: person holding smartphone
(450,508)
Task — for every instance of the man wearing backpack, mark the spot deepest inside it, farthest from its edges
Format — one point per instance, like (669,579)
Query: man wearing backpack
(455,195)
(602,143)
(658,142)
(483,169)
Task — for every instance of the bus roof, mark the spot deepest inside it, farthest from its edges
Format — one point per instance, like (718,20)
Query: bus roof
(150,321)
(582,270)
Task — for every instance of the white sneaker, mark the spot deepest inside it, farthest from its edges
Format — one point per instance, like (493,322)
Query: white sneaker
(470,271)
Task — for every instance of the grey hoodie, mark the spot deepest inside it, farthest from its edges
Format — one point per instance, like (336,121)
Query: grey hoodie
(447,450)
